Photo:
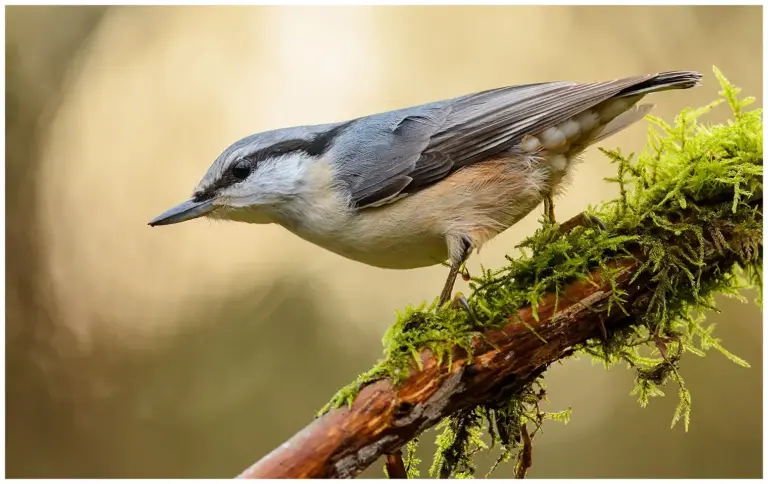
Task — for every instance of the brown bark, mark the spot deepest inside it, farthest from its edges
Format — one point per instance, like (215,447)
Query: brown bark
(343,442)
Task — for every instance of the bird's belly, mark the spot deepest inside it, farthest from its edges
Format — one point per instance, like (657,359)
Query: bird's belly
(475,203)
(380,241)
(406,253)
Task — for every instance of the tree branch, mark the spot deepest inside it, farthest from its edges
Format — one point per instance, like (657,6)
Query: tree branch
(345,441)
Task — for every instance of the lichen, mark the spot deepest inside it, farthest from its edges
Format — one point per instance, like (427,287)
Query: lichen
(692,183)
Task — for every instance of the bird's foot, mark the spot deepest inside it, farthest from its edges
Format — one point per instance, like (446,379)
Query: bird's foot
(460,301)
(582,220)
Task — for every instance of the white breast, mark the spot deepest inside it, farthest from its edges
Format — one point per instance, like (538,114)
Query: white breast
(476,203)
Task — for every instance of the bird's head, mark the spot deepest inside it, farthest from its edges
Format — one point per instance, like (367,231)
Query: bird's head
(257,176)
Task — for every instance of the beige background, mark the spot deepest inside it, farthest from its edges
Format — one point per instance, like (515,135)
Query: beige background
(192,350)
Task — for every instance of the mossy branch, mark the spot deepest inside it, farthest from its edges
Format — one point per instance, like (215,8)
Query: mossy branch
(688,225)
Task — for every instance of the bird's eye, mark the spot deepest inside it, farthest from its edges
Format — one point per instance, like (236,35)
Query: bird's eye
(241,170)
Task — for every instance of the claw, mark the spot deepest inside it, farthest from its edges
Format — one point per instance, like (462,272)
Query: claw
(596,221)
(460,301)
(583,220)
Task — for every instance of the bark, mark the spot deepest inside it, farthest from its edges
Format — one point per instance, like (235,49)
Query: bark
(343,442)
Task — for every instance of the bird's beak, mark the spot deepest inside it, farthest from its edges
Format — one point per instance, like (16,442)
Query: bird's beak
(183,212)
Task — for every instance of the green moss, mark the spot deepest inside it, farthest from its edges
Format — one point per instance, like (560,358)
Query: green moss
(692,183)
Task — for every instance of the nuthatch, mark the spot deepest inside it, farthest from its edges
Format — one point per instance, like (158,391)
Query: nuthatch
(421,185)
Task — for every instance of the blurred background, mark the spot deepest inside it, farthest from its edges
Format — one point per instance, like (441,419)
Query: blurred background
(193,350)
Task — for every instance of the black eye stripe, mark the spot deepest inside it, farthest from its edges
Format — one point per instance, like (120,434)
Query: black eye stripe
(278,149)
(315,146)
(321,143)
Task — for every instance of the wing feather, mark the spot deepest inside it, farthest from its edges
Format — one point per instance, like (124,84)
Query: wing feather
(401,152)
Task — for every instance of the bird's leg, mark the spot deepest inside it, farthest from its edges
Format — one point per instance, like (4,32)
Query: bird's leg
(582,220)
(455,269)
(549,207)
(448,288)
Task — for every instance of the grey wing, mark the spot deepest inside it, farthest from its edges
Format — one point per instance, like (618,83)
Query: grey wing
(414,148)
(484,124)
(378,156)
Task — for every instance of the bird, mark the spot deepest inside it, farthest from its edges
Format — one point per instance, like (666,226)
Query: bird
(422,185)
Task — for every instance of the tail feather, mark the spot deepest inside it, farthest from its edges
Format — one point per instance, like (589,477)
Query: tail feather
(664,81)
